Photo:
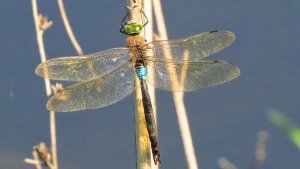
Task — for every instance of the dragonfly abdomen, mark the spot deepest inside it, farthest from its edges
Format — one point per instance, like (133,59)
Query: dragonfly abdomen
(141,72)
(150,121)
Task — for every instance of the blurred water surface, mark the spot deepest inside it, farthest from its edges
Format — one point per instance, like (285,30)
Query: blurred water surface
(224,119)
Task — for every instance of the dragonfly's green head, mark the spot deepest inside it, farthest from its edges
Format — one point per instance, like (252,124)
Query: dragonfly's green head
(132,28)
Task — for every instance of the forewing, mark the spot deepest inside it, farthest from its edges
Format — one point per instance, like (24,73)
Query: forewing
(197,46)
(96,93)
(191,76)
(83,68)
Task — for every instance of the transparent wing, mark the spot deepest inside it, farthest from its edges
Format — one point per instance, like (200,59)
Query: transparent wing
(191,76)
(82,68)
(196,47)
(96,93)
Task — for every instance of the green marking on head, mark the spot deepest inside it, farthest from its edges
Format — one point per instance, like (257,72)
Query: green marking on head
(132,28)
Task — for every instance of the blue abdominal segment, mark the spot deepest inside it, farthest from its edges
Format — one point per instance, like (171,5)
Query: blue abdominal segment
(141,72)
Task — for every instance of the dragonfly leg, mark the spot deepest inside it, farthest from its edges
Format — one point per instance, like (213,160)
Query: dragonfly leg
(147,21)
(156,159)
(122,23)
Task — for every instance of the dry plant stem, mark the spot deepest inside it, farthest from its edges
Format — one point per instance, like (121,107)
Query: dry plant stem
(31,161)
(40,41)
(148,33)
(143,153)
(68,27)
(53,139)
(223,163)
(178,98)
(37,159)
(260,153)
(39,32)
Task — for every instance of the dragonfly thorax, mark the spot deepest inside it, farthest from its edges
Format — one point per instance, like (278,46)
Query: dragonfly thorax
(136,40)
(136,45)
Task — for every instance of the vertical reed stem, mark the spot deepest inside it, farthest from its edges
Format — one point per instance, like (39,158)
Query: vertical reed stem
(40,26)
(148,32)
(143,153)
(177,97)
(53,139)
(68,27)
(40,41)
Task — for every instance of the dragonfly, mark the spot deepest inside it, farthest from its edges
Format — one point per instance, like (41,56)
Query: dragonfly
(106,77)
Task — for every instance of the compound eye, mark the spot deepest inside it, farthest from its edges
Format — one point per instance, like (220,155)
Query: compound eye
(128,29)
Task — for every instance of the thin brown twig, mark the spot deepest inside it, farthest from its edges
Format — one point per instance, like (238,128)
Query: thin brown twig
(37,159)
(53,139)
(42,24)
(40,31)
(68,27)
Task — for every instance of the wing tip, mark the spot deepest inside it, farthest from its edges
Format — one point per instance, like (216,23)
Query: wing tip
(38,69)
(60,102)
(50,106)
(42,70)
(234,70)
(232,35)
(237,72)
(229,34)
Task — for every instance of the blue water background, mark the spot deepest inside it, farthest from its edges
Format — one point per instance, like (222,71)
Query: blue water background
(224,120)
